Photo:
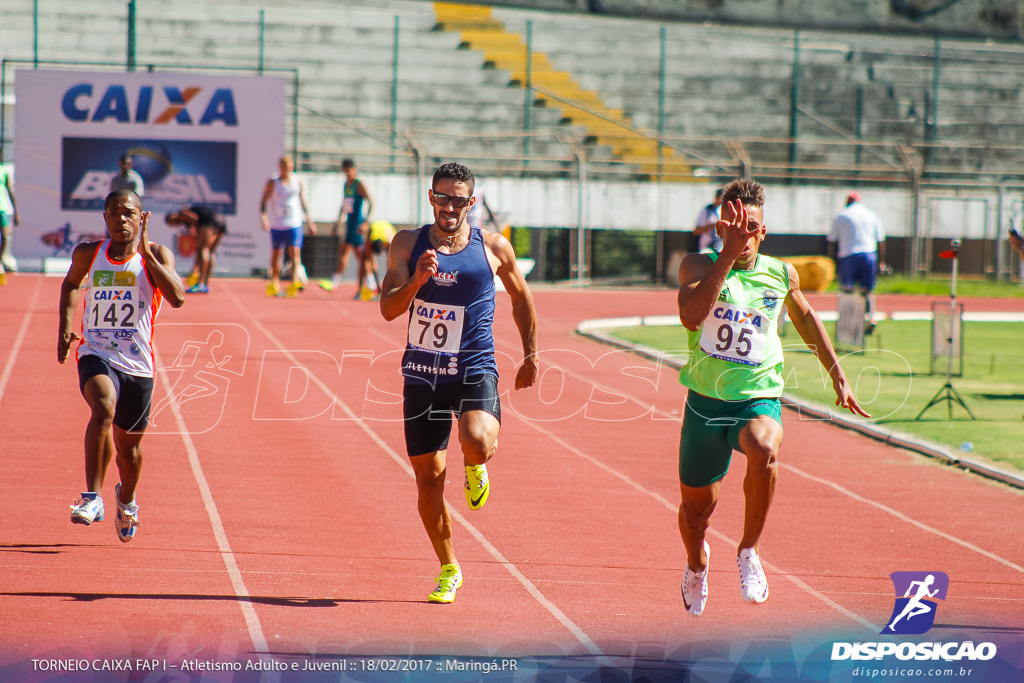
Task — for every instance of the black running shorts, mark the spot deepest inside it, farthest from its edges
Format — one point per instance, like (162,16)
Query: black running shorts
(134,394)
(428,409)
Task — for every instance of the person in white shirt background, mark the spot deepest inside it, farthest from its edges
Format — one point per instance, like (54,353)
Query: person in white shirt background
(857,243)
(704,230)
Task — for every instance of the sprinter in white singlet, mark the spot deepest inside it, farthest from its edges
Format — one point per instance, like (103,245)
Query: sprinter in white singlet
(123,281)
(282,209)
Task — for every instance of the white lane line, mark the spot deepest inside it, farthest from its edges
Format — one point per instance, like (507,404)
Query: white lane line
(895,513)
(403,462)
(674,508)
(18,340)
(881,506)
(909,520)
(252,620)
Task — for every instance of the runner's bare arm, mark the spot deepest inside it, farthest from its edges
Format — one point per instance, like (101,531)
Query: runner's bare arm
(160,265)
(268,191)
(305,208)
(699,285)
(191,220)
(70,293)
(810,328)
(1017,242)
(369,201)
(14,205)
(523,311)
(400,286)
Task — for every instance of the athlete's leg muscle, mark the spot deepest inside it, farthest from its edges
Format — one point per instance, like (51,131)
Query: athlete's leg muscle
(478,436)
(101,396)
(430,475)
(694,512)
(759,440)
(129,460)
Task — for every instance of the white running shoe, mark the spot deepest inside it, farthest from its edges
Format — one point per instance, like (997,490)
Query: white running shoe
(87,509)
(695,586)
(127,517)
(753,583)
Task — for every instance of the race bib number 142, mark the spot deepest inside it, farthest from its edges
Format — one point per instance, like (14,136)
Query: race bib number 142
(112,308)
(735,334)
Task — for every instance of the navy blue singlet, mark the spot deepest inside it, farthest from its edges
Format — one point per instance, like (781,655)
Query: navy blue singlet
(450,335)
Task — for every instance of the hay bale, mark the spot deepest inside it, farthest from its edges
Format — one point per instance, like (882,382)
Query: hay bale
(816,273)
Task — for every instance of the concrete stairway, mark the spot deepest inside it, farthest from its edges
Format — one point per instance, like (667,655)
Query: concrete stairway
(479,30)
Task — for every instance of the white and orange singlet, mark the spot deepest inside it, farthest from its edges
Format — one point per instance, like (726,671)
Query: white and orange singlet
(121,305)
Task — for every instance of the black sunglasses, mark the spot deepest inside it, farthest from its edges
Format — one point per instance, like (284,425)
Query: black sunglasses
(457,202)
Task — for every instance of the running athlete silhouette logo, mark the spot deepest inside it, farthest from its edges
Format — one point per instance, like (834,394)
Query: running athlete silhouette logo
(914,613)
(202,372)
(64,241)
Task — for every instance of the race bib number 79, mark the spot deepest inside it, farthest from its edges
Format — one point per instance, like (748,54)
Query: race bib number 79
(735,333)
(436,327)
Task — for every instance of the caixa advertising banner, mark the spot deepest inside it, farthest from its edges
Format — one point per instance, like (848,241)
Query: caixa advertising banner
(190,140)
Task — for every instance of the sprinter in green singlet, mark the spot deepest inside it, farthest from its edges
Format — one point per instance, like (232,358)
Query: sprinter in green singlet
(731,303)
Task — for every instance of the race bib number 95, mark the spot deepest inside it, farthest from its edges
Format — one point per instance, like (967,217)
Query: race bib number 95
(735,334)
(436,327)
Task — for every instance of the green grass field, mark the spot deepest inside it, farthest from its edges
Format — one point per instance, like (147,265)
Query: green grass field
(936,286)
(891,378)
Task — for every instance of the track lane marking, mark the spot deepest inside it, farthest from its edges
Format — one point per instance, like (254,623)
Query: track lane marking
(252,620)
(826,482)
(673,507)
(18,341)
(905,518)
(402,461)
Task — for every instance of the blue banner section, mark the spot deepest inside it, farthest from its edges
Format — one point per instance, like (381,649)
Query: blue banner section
(911,617)
(773,660)
(174,172)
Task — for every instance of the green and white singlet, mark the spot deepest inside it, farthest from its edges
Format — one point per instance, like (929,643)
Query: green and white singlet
(736,353)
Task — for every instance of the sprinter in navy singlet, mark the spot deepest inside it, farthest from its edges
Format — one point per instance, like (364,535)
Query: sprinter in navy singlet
(442,277)
(450,321)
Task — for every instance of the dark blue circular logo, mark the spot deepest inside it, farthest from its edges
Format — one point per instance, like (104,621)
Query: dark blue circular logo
(770,298)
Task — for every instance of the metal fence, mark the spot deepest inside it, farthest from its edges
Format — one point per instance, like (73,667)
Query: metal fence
(892,130)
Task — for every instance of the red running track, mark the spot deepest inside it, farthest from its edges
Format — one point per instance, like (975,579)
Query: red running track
(278,509)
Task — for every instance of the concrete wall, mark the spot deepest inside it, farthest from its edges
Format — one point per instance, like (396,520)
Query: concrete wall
(807,211)
(798,219)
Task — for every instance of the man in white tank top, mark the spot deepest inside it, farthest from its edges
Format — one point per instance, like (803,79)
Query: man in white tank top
(282,209)
(123,281)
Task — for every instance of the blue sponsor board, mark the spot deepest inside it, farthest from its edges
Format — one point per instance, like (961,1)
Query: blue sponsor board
(772,660)
(174,172)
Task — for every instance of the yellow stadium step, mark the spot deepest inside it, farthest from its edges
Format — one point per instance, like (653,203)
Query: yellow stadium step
(455,16)
(479,30)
